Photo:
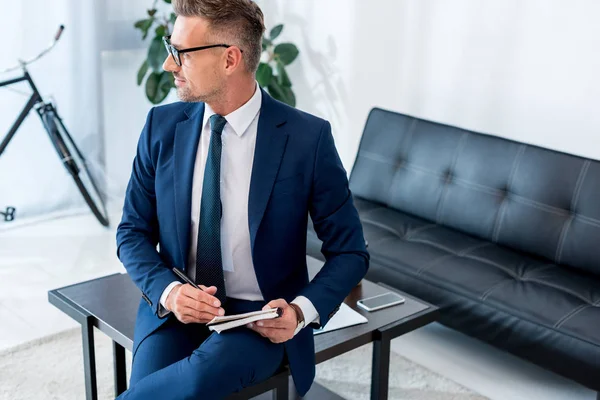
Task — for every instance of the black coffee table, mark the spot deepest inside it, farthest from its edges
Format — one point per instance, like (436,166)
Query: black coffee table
(110,304)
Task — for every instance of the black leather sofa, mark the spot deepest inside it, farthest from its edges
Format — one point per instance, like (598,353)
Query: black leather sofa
(503,236)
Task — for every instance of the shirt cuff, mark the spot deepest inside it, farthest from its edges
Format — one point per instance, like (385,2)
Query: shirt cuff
(308,309)
(162,309)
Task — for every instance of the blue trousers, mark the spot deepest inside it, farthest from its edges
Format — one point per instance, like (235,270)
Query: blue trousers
(187,361)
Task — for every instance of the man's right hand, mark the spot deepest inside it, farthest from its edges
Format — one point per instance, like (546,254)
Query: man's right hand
(191,305)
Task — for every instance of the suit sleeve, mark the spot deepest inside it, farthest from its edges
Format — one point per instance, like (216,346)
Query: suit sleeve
(137,234)
(337,224)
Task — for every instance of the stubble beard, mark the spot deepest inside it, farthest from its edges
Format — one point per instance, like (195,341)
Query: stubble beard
(185,94)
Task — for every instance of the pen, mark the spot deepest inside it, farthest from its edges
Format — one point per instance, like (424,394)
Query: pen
(185,277)
(188,280)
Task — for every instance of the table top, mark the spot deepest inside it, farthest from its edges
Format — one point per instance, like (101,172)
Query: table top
(99,298)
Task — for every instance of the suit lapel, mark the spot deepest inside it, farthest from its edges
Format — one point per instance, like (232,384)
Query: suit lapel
(187,137)
(271,140)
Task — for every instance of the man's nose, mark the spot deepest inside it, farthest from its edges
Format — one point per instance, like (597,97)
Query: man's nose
(169,65)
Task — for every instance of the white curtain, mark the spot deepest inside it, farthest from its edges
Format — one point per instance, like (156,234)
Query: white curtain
(32,178)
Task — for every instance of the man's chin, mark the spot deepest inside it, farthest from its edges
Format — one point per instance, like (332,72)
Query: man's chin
(185,96)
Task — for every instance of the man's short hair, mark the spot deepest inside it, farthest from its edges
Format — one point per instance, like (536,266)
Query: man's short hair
(240,22)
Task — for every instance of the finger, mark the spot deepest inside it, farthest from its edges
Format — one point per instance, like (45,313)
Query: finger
(275,323)
(202,296)
(254,328)
(268,332)
(207,297)
(275,303)
(210,290)
(274,335)
(198,316)
(193,303)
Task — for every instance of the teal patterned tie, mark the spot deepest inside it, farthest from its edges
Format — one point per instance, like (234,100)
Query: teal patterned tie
(209,265)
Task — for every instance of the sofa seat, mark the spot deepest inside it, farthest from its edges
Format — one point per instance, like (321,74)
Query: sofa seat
(488,291)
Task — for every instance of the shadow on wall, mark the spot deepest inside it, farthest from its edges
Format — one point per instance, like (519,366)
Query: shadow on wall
(316,74)
(327,89)
(317,81)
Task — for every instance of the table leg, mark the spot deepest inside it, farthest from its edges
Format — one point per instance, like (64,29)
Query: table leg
(380,367)
(89,359)
(119,368)
(283,388)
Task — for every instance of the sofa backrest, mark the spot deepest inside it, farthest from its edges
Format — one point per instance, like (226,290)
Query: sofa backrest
(525,197)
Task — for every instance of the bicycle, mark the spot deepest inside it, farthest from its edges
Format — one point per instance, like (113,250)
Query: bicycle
(63,143)
(8,214)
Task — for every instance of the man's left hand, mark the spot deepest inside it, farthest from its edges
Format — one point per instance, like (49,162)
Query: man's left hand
(277,330)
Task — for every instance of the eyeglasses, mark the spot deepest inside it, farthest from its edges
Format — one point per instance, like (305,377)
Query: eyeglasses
(175,53)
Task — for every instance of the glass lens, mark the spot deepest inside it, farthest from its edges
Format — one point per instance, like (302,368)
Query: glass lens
(172,51)
(175,54)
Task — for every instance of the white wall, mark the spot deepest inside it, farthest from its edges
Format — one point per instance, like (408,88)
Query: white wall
(521,69)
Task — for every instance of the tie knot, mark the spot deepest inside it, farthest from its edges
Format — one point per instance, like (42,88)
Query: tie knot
(217,123)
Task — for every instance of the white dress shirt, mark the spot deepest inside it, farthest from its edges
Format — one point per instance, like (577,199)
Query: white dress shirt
(238,141)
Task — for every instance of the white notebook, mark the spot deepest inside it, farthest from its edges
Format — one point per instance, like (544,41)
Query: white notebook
(220,324)
(344,318)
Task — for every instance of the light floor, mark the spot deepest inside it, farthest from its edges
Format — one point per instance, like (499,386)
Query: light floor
(48,254)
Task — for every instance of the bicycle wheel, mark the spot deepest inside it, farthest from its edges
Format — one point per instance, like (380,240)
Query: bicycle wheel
(74,162)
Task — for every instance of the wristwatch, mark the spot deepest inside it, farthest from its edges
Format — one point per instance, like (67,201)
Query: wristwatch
(299,317)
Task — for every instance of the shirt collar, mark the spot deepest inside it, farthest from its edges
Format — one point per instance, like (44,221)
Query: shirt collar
(240,119)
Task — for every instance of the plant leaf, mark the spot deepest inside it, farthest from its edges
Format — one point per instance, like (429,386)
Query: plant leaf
(264,74)
(156,54)
(142,72)
(282,93)
(158,86)
(168,1)
(160,31)
(266,42)
(275,31)
(151,12)
(152,86)
(172,17)
(286,52)
(144,25)
(282,76)
(291,97)
(275,91)
(166,83)
(139,23)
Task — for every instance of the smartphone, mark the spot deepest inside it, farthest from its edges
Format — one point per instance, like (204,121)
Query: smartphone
(380,301)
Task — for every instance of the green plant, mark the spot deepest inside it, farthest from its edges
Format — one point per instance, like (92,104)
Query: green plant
(158,82)
(271,74)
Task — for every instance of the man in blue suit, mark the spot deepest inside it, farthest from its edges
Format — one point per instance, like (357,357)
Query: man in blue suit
(221,187)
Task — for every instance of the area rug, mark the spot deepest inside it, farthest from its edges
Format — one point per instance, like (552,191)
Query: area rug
(52,368)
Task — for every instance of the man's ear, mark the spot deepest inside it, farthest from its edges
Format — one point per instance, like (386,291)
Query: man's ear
(233,59)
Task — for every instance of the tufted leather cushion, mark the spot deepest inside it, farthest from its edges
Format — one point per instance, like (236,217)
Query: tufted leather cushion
(503,236)
(527,305)
(528,198)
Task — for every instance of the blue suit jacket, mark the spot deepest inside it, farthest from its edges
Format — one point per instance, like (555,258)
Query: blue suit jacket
(296,171)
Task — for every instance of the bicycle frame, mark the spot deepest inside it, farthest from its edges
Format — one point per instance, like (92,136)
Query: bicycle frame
(68,152)
(33,100)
